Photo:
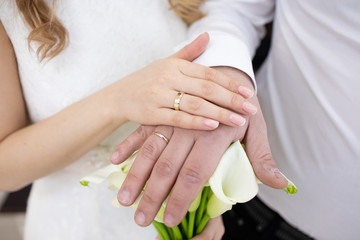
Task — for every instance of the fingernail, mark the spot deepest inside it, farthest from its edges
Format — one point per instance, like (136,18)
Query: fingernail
(273,171)
(124,197)
(168,220)
(237,120)
(291,187)
(115,157)
(140,218)
(277,173)
(249,108)
(211,123)
(246,92)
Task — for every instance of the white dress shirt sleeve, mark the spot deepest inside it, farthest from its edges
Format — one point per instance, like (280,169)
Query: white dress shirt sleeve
(235,28)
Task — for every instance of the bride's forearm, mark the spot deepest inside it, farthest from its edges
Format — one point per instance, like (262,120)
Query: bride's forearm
(51,144)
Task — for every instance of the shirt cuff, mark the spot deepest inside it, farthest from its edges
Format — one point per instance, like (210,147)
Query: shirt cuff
(226,50)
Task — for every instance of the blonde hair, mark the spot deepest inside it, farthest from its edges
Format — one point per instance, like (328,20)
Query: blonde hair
(188,10)
(52,37)
(47,30)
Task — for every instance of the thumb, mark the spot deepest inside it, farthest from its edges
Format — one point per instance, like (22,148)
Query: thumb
(259,153)
(194,49)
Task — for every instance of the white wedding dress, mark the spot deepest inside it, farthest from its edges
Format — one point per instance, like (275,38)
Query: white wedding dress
(108,40)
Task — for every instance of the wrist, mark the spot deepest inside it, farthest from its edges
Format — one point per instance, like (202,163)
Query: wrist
(109,100)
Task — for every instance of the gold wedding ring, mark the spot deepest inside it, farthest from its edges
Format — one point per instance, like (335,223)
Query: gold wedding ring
(177,101)
(161,136)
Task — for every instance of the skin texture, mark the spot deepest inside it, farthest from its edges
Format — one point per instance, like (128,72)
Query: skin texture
(40,148)
(188,160)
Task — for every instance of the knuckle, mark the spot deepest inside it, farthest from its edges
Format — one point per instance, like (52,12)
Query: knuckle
(132,178)
(233,85)
(222,115)
(140,132)
(234,100)
(194,104)
(266,158)
(148,198)
(162,78)
(207,88)
(210,74)
(150,150)
(164,168)
(191,175)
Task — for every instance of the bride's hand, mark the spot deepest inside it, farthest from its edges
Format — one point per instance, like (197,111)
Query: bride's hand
(148,95)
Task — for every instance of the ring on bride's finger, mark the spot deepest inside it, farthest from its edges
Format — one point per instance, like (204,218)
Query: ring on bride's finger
(177,101)
(161,136)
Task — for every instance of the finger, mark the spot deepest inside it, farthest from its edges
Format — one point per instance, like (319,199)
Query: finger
(199,166)
(212,92)
(142,166)
(210,74)
(133,142)
(218,95)
(193,50)
(259,153)
(200,107)
(164,174)
(184,120)
(202,114)
(214,229)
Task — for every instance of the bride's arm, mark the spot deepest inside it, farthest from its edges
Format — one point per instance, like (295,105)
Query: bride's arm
(27,151)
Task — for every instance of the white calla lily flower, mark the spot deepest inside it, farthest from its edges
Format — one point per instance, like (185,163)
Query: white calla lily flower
(216,207)
(233,181)
(115,174)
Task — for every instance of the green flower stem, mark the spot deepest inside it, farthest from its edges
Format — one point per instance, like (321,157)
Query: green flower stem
(184,226)
(171,232)
(190,231)
(161,229)
(177,233)
(202,224)
(200,211)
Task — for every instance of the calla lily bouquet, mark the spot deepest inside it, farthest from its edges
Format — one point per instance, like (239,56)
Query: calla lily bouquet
(232,182)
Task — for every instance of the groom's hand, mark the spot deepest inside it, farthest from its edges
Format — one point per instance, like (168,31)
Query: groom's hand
(183,165)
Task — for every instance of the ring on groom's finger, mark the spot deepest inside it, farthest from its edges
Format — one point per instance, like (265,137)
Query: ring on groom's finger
(177,101)
(161,136)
